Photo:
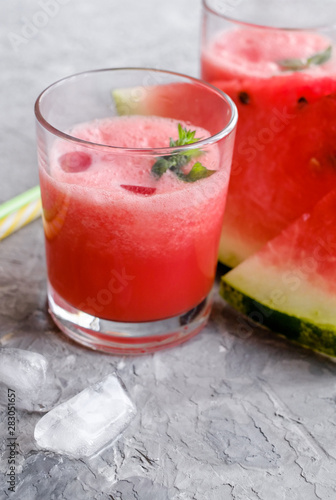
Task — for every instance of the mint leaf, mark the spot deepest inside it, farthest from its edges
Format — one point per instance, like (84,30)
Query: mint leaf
(185,137)
(197,172)
(169,163)
(161,166)
(320,57)
(300,64)
(292,64)
(178,160)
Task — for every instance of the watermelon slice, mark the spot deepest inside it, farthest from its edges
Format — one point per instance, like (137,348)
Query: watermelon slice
(290,284)
(285,151)
(284,159)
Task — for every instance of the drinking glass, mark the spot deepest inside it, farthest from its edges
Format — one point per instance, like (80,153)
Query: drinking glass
(134,167)
(276,60)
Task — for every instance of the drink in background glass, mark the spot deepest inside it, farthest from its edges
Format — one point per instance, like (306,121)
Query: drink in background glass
(277,61)
(132,205)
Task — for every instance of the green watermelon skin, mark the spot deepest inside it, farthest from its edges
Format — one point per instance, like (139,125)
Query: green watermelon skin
(319,338)
(289,286)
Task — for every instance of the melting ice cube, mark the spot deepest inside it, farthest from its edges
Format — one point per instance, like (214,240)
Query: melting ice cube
(28,374)
(89,421)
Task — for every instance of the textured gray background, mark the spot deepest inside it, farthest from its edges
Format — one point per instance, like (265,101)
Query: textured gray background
(234,413)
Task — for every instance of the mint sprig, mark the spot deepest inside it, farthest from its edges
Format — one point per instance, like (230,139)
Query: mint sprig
(197,172)
(176,162)
(185,137)
(301,64)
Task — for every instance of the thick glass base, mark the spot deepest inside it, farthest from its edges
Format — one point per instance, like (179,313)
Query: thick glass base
(126,338)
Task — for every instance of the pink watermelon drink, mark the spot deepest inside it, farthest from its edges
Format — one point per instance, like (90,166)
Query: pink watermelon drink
(132,211)
(284,85)
(149,250)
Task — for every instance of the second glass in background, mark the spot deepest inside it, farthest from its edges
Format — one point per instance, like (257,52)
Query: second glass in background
(277,61)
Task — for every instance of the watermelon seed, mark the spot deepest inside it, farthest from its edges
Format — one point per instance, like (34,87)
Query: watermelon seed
(315,165)
(244,97)
(332,159)
(302,101)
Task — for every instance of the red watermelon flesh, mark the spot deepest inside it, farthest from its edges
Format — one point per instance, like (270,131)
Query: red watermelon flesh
(308,246)
(285,151)
(285,156)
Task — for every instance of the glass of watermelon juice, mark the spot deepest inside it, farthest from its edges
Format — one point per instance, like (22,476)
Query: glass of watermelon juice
(277,61)
(134,166)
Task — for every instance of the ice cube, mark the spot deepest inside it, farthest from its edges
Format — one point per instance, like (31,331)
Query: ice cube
(28,374)
(88,422)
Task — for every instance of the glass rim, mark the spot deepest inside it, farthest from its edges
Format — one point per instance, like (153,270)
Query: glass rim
(225,131)
(232,19)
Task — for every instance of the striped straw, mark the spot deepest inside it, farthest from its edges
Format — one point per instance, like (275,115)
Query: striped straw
(19,211)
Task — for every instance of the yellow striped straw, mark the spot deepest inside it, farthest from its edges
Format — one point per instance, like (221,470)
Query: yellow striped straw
(19,211)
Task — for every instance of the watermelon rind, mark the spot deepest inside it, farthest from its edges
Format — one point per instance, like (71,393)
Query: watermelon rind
(233,249)
(307,317)
(129,101)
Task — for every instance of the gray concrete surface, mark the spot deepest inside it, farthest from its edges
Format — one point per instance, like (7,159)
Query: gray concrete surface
(230,414)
